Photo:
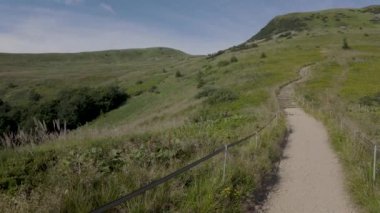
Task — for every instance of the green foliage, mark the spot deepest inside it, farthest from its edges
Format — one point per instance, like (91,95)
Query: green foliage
(375,9)
(34,96)
(214,55)
(345,44)
(373,100)
(154,89)
(216,96)
(74,106)
(178,74)
(223,63)
(233,59)
(263,55)
(200,81)
(221,96)
(243,46)
(206,92)
(7,118)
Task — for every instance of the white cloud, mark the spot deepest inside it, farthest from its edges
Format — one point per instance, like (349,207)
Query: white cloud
(45,30)
(107,8)
(71,2)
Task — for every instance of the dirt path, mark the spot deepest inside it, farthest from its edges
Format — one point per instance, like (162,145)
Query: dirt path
(310,176)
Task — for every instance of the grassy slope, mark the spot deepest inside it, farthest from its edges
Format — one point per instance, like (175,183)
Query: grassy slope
(154,134)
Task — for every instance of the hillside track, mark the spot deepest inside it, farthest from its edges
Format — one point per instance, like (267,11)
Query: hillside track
(310,175)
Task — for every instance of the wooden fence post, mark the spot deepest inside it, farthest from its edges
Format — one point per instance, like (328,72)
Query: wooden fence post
(225,161)
(374,162)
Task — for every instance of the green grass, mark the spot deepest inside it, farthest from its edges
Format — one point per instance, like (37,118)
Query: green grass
(160,130)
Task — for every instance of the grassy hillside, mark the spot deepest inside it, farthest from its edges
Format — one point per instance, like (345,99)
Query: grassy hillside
(181,108)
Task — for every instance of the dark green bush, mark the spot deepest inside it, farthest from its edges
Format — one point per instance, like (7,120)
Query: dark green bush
(243,46)
(178,74)
(200,80)
(34,96)
(368,100)
(222,95)
(223,63)
(233,59)
(206,92)
(215,96)
(263,55)
(214,55)
(7,121)
(345,44)
(154,89)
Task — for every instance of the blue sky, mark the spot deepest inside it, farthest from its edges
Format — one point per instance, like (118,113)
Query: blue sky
(193,26)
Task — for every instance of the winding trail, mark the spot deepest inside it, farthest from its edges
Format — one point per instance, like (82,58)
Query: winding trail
(310,176)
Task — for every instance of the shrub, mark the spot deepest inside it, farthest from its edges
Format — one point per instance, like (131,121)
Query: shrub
(34,96)
(223,63)
(233,59)
(243,47)
(7,121)
(263,55)
(139,82)
(214,55)
(373,100)
(138,92)
(206,92)
(222,95)
(200,80)
(178,74)
(215,96)
(12,85)
(345,44)
(154,89)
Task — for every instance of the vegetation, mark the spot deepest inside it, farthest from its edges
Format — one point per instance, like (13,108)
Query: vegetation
(178,74)
(74,107)
(345,44)
(233,59)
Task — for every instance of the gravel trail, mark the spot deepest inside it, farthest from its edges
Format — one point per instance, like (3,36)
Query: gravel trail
(310,175)
(311,178)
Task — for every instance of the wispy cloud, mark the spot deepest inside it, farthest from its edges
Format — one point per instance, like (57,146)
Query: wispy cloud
(63,31)
(71,2)
(107,7)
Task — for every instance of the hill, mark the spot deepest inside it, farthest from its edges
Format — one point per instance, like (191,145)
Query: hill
(182,107)
(321,20)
